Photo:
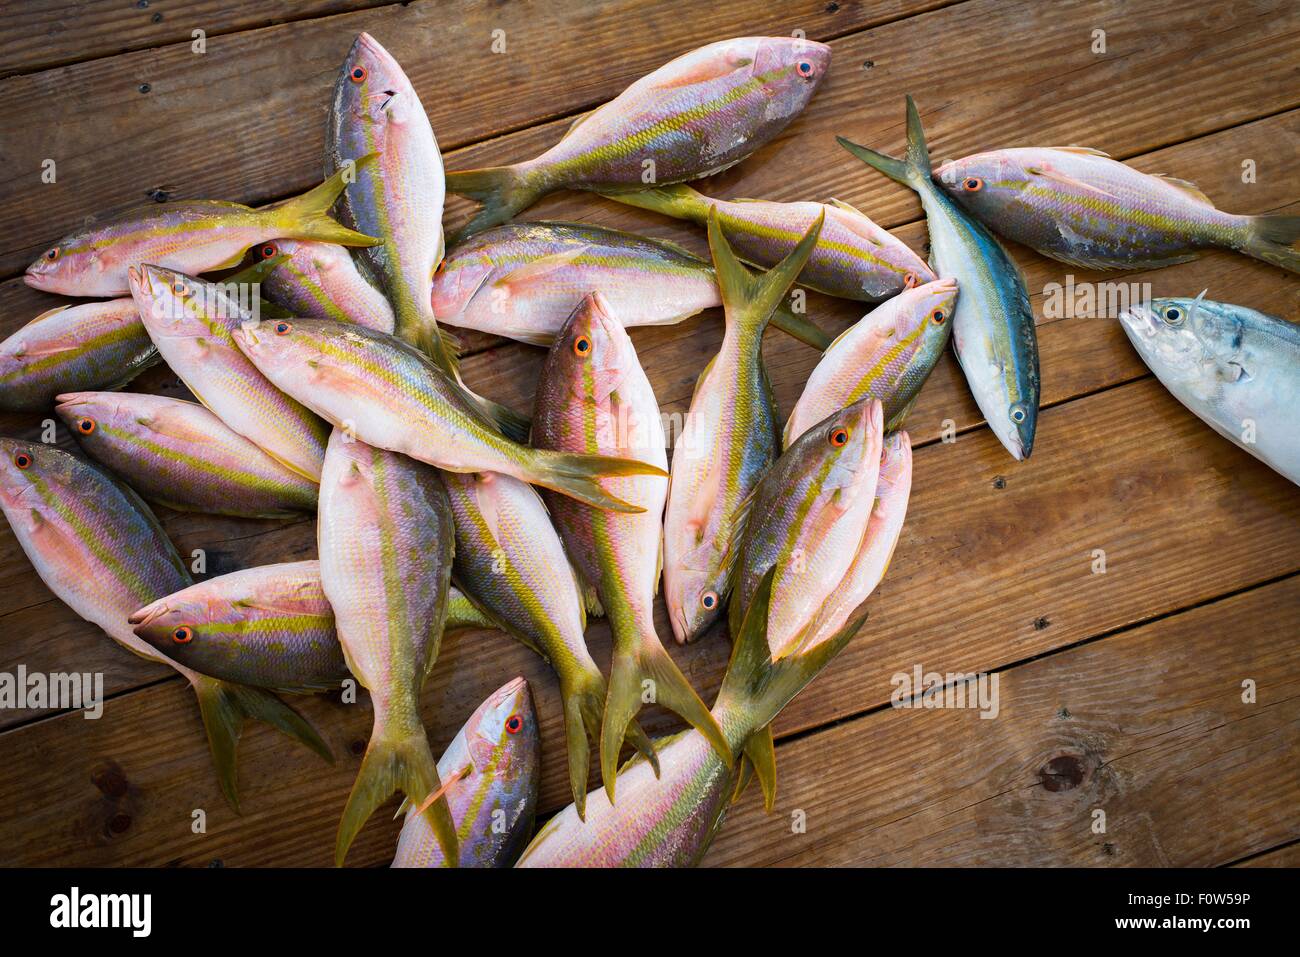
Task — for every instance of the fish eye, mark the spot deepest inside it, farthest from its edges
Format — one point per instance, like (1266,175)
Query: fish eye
(23,460)
(358,74)
(709,600)
(910,280)
(178,286)
(938,317)
(86,425)
(1173,315)
(838,437)
(268,250)
(514,724)
(1017,413)
(972,184)
(582,346)
(52,254)
(182,635)
(805,68)
(282,328)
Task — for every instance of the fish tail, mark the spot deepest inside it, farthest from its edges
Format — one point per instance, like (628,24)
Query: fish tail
(584,710)
(503,191)
(642,673)
(1272,239)
(751,299)
(755,687)
(463,613)
(393,763)
(307,216)
(418,327)
(226,707)
(911,171)
(679,202)
(760,752)
(513,425)
(578,476)
(797,327)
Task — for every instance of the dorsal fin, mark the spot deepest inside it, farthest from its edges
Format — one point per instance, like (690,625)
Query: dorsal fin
(1191,189)
(1080,150)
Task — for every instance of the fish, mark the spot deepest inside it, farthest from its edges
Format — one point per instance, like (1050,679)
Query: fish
(512,566)
(1079,206)
(871,562)
(101,551)
(492,774)
(853,259)
(178,454)
(81,346)
(386,540)
(670,820)
(270,626)
(1236,369)
(807,519)
(392,396)
(189,236)
(695,116)
(193,323)
(523,280)
(399,197)
(318,280)
(593,397)
(993,328)
(888,354)
(730,439)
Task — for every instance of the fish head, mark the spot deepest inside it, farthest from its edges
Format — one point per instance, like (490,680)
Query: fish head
(372,85)
(795,68)
(86,414)
(1194,341)
(176,623)
(592,352)
(76,262)
(985,183)
(284,348)
(503,731)
(895,464)
(694,595)
(28,467)
(173,305)
(458,278)
(846,442)
(926,319)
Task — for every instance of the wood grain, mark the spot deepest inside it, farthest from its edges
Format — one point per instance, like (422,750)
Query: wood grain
(1148,727)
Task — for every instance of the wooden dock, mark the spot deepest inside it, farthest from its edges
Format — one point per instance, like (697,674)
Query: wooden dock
(1122,691)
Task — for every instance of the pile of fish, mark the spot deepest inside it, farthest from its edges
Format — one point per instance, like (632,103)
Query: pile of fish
(326,382)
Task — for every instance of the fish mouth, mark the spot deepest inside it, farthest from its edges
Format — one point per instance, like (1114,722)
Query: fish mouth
(1139,320)
(146,616)
(246,336)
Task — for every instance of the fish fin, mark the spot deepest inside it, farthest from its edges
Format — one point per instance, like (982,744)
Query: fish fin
(503,191)
(541,267)
(1272,239)
(584,711)
(637,661)
(744,774)
(751,299)
(405,763)
(679,202)
(258,271)
(1048,172)
(439,345)
(912,170)
(513,425)
(226,707)
(578,476)
(590,596)
(307,216)
(463,613)
(1191,189)
(797,327)
(1080,150)
(760,750)
(896,423)
(1098,263)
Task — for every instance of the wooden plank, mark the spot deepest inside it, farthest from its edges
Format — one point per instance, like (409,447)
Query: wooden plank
(43,33)
(1288,856)
(982,578)
(1148,726)
(1079,355)
(246,119)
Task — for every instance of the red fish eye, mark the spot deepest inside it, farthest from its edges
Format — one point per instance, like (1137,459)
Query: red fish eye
(182,635)
(582,346)
(86,426)
(514,724)
(358,74)
(972,184)
(709,600)
(938,317)
(805,68)
(838,437)
(267,251)
(178,287)
(53,254)
(282,328)
(910,281)
(22,460)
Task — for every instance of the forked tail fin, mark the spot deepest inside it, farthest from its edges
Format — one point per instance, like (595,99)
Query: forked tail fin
(1272,239)
(750,299)
(307,216)
(578,476)
(584,710)
(503,191)
(911,171)
(394,763)
(226,707)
